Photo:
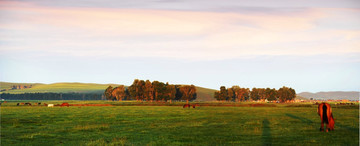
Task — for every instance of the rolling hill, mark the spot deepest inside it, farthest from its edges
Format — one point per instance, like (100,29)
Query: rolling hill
(203,94)
(335,95)
(59,88)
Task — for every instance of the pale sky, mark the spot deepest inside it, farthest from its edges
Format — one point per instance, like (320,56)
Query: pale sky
(307,45)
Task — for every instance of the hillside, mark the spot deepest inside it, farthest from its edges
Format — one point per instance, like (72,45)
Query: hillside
(60,88)
(8,85)
(203,94)
(351,95)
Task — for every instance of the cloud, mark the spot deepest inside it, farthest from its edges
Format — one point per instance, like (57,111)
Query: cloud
(194,35)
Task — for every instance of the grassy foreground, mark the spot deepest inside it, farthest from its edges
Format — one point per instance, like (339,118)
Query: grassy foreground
(287,124)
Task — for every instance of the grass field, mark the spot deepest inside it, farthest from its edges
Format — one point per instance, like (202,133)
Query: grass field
(284,124)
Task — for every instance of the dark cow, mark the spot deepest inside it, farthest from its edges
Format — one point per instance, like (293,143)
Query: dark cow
(65,104)
(186,106)
(325,113)
(195,105)
(28,103)
(18,104)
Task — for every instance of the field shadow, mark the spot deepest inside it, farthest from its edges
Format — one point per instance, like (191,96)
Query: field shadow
(352,129)
(266,133)
(302,119)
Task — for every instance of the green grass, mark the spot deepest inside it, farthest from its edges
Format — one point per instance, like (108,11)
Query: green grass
(285,124)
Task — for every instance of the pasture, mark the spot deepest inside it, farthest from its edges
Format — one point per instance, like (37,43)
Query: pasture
(276,124)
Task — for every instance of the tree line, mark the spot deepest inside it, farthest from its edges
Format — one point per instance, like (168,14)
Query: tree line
(141,90)
(235,93)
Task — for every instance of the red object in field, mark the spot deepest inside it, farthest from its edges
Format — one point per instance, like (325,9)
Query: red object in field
(186,106)
(65,104)
(326,116)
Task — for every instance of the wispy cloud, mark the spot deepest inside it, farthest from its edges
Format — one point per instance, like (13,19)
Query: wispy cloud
(194,35)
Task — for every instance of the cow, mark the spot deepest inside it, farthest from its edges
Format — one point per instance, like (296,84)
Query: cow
(28,103)
(186,106)
(18,104)
(325,113)
(50,105)
(64,104)
(195,105)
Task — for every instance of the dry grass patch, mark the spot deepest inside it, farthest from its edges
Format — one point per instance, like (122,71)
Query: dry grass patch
(92,127)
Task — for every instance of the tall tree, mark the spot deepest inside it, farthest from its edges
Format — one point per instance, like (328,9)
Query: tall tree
(108,93)
(231,94)
(134,90)
(149,91)
(244,94)
(188,92)
(170,92)
(254,94)
(237,93)
(159,90)
(118,93)
(217,95)
(178,94)
(262,93)
(271,94)
(223,93)
(286,94)
(141,89)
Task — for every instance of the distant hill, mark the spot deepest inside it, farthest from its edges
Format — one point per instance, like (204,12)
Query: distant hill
(351,95)
(59,88)
(203,94)
(8,85)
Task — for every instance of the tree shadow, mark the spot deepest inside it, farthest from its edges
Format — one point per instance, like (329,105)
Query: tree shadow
(266,138)
(302,119)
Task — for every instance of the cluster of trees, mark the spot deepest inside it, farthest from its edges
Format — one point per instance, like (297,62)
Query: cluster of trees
(52,96)
(235,93)
(142,90)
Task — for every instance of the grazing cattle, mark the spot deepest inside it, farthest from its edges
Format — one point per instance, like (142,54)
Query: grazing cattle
(186,106)
(18,104)
(64,104)
(39,103)
(28,103)
(22,103)
(50,105)
(195,105)
(325,113)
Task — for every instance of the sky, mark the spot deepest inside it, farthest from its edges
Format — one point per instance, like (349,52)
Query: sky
(311,46)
